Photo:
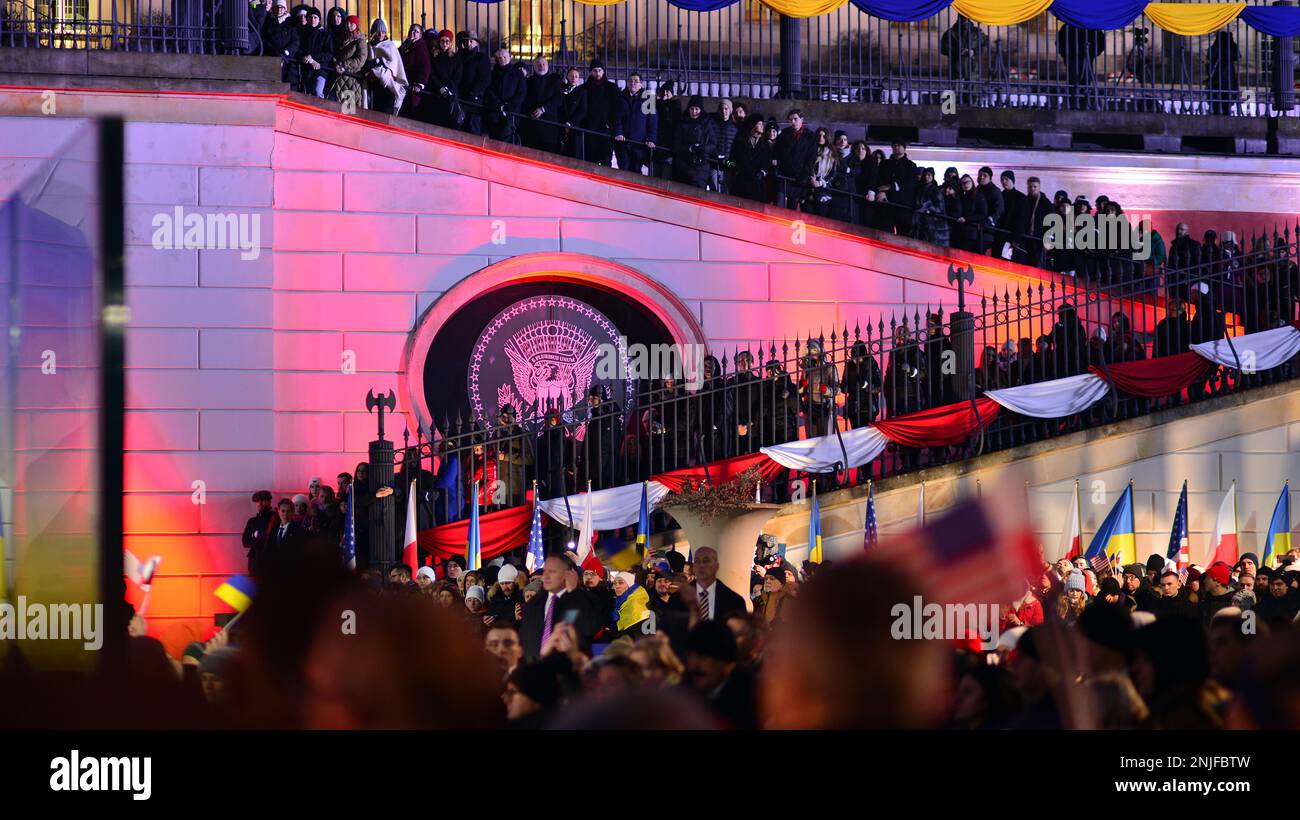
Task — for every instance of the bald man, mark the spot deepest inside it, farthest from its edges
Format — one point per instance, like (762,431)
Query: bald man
(715,598)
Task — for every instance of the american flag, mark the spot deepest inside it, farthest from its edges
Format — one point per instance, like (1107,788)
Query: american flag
(536,551)
(979,551)
(350,534)
(1178,550)
(1100,564)
(870,536)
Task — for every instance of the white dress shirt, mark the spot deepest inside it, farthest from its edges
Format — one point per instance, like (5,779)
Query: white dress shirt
(709,594)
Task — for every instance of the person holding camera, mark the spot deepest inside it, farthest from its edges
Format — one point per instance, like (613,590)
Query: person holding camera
(695,145)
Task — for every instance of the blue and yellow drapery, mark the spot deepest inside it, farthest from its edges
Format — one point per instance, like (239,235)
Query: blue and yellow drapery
(1190,19)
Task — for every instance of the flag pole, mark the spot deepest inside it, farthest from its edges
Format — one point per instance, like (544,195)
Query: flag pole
(233,621)
(1078,512)
(1288,518)
(1236,529)
(1132,519)
(920,507)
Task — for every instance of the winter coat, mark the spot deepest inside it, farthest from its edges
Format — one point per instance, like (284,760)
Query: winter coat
(753,164)
(636,124)
(475,74)
(350,54)
(389,72)
(695,145)
(604,107)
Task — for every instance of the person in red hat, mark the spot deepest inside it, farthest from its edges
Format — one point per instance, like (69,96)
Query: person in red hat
(444,80)
(1217,592)
(350,53)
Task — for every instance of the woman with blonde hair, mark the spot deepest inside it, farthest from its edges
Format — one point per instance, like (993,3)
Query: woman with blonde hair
(825,173)
(1073,599)
(659,664)
(444,79)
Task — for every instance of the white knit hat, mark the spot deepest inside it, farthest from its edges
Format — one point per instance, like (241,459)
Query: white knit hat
(507,574)
(627,578)
(476,592)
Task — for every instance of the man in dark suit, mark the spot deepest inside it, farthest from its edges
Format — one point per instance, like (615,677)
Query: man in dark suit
(556,604)
(715,599)
(284,533)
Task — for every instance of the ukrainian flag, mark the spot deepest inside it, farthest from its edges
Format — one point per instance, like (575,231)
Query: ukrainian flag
(815,531)
(632,608)
(1116,536)
(238,591)
(627,554)
(618,554)
(1279,529)
(643,520)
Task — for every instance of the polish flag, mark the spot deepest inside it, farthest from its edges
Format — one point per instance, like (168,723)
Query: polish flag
(587,557)
(1070,546)
(141,574)
(1223,546)
(410,552)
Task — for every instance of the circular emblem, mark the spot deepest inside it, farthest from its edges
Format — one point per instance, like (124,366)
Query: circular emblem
(546,352)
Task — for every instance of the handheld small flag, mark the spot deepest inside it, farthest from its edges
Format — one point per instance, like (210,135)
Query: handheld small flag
(974,552)
(474,546)
(1178,551)
(1223,545)
(1100,564)
(349,543)
(1279,528)
(1115,538)
(411,552)
(870,534)
(139,574)
(815,531)
(238,592)
(536,549)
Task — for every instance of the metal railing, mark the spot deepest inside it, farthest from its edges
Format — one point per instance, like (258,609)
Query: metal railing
(737,51)
(881,368)
(1118,270)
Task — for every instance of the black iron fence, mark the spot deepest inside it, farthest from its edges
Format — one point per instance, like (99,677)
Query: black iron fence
(746,50)
(881,368)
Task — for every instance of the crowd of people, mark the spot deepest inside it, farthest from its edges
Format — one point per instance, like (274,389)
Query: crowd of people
(450,79)
(666,644)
